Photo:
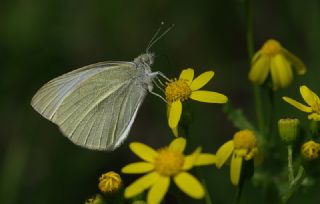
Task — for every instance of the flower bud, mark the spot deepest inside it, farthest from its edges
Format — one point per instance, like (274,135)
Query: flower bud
(288,129)
(110,182)
(310,150)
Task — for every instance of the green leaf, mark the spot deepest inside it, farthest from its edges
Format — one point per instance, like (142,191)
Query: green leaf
(237,117)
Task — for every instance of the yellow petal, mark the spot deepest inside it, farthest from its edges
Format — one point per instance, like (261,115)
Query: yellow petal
(158,190)
(235,169)
(187,74)
(190,160)
(178,144)
(281,71)
(224,153)
(297,63)
(309,96)
(141,184)
(201,80)
(298,105)
(259,70)
(255,57)
(189,185)
(275,76)
(205,159)
(208,97)
(137,168)
(175,131)
(314,116)
(143,151)
(175,114)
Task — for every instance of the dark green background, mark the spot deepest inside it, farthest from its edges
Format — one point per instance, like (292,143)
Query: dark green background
(42,39)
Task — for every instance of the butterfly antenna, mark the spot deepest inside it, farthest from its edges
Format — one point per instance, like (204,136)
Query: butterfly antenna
(157,37)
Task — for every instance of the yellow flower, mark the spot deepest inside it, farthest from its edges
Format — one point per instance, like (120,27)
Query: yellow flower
(110,182)
(310,150)
(163,164)
(242,146)
(274,58)
(311,99)
(179,90)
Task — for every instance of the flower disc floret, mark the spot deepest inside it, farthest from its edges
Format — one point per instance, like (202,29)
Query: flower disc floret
(168,162)
(271,48)
(177,90)
(244,139)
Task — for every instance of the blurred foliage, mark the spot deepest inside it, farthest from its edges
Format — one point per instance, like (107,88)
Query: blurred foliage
(40,40)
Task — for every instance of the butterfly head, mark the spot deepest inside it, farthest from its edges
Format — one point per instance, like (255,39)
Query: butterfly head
(145,59)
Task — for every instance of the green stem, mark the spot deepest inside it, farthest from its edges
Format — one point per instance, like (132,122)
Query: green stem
(207,195)
(294,185)
(238,195)
(250,50)
(250,45)
(259,108)
(290,166)
(186,127)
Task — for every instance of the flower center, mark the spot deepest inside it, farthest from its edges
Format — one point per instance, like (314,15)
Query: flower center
(177,90)
(311,150)
(271,48)
(244,139)
(168,162)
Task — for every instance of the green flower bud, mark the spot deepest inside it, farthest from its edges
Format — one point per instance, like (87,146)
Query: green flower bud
(288,129)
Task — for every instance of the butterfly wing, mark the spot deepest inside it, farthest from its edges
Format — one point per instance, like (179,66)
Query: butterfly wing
(94,106)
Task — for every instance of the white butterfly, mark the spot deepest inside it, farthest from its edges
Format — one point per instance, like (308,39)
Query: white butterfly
(95,106)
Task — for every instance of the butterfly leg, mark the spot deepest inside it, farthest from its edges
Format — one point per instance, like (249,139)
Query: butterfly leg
(155,74)
(157,85)
(159,96)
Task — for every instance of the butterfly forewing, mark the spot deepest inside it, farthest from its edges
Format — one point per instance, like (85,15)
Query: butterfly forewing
(94,106)
(48,99)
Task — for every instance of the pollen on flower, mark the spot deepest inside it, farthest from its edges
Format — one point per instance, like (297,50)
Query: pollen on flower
(177,90)
(168,162)
(110,182)
(244,139)
(271,48)
(311,150)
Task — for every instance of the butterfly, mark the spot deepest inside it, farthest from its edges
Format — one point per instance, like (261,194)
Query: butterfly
(96,105)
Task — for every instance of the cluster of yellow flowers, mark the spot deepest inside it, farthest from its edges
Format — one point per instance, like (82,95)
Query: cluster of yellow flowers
(170,162)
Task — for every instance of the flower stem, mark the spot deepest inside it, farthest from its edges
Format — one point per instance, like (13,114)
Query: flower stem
(250,46)
(290,166)
(250,50)
(207,195)
(187,121)
(294,185)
